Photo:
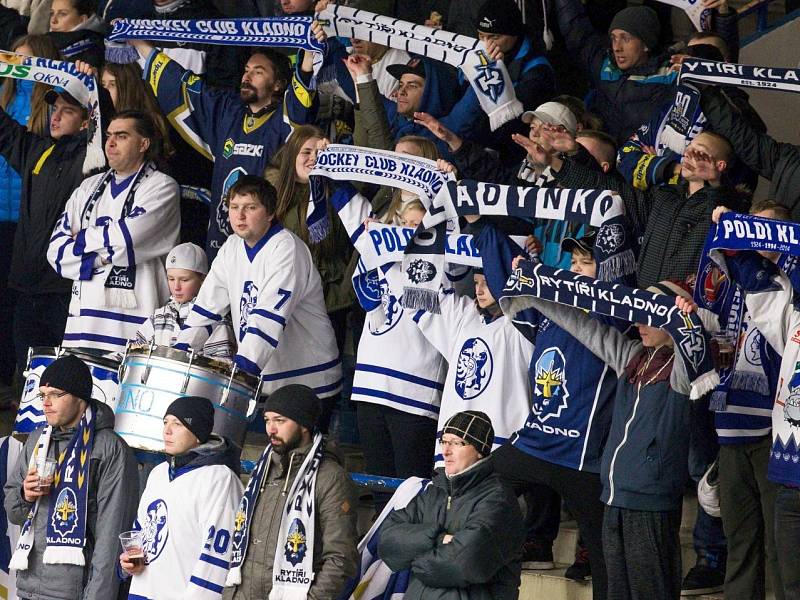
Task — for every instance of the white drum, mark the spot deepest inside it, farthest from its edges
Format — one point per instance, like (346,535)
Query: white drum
(153,376)
(104,374)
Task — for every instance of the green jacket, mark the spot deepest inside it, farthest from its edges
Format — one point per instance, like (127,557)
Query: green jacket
(331,258)
(481,562)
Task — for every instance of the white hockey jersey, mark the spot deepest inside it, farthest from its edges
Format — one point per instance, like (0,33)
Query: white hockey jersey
(774,314)
(488,365)
(164,325)
(395,366)
(93,245)
(274,294)
(188,524)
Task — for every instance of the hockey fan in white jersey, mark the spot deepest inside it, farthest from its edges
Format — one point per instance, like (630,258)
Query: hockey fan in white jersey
(186,512)
(187,267)
(488,359)
(265,277)
(112,238)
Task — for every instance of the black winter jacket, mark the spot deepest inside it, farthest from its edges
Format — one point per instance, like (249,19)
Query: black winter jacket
(777,161)
(622,99)
(671,225)
(50,170)
(481,562)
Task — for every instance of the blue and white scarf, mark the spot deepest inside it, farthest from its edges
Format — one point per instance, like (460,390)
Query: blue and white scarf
(285,32)
(624,303)
(699,16)
(604,209)
(490,79)
(710,72)
(341,162)
(63,74)
(69,499)
(292,569)
(715,291)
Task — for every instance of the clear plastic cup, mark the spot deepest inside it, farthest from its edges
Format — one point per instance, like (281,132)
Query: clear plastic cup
(46,472)
(132,546)
(727,349)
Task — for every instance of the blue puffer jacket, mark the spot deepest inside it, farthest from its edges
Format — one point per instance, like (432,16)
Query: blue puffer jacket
(10,184)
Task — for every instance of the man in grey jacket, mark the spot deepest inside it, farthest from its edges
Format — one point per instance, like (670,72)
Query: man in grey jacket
(291,414)
(66,387)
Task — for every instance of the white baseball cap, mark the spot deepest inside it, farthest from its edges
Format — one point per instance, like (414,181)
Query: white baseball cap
(553,113)
(188,256)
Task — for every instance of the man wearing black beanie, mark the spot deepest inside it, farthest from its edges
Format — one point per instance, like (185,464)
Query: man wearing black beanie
(296,460)
(630,76)
(92,497)
(187,509)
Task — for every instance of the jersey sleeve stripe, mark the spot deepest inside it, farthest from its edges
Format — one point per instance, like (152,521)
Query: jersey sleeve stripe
(205,313)
(399,375)
(205,584)
(269,315)
(217,562)
(269,339)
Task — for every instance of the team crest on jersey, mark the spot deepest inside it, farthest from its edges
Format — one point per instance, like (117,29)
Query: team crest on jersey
(610,238)
(154,530)
(65,514)
(752,347)
(295,548)
(222,219)
(246,304)
(474,368)
(550,385)
(391,309)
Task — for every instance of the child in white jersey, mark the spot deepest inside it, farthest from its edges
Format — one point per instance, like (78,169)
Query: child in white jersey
(187,267)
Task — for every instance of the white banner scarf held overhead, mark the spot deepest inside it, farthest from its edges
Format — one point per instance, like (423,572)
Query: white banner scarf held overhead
(698,15)
(489,79)
(63,74)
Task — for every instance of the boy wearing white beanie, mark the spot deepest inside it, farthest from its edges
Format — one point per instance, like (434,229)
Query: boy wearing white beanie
(187,267)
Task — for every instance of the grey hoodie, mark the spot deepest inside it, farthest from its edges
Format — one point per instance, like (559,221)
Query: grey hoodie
(113,494)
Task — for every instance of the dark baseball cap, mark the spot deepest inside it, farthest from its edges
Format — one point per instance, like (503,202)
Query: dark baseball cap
(584,244)
(58,92)
(412,67)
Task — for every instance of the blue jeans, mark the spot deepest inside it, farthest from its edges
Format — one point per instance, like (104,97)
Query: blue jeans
(787,538)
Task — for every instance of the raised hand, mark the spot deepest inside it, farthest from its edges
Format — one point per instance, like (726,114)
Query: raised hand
(700,165)
(718,212)
(435,126)
(358,64)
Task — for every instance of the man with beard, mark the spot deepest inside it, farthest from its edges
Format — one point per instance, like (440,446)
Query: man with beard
(240,131)
(296,525)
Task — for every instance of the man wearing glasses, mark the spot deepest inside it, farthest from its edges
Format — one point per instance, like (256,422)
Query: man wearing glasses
(73,491)
(447,535)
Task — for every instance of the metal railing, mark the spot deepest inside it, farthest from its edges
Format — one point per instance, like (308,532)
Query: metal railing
(761,9)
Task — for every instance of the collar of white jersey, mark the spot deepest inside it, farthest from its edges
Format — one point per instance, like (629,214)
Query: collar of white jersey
(253,252)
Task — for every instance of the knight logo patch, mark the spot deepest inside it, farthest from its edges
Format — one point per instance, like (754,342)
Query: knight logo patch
(246,304)
(610,238)
(550,385)
(65,515)
(474,368)
(421,271)
(155,531)
(489,77)
(517,281)
(295,548)
(692,342)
